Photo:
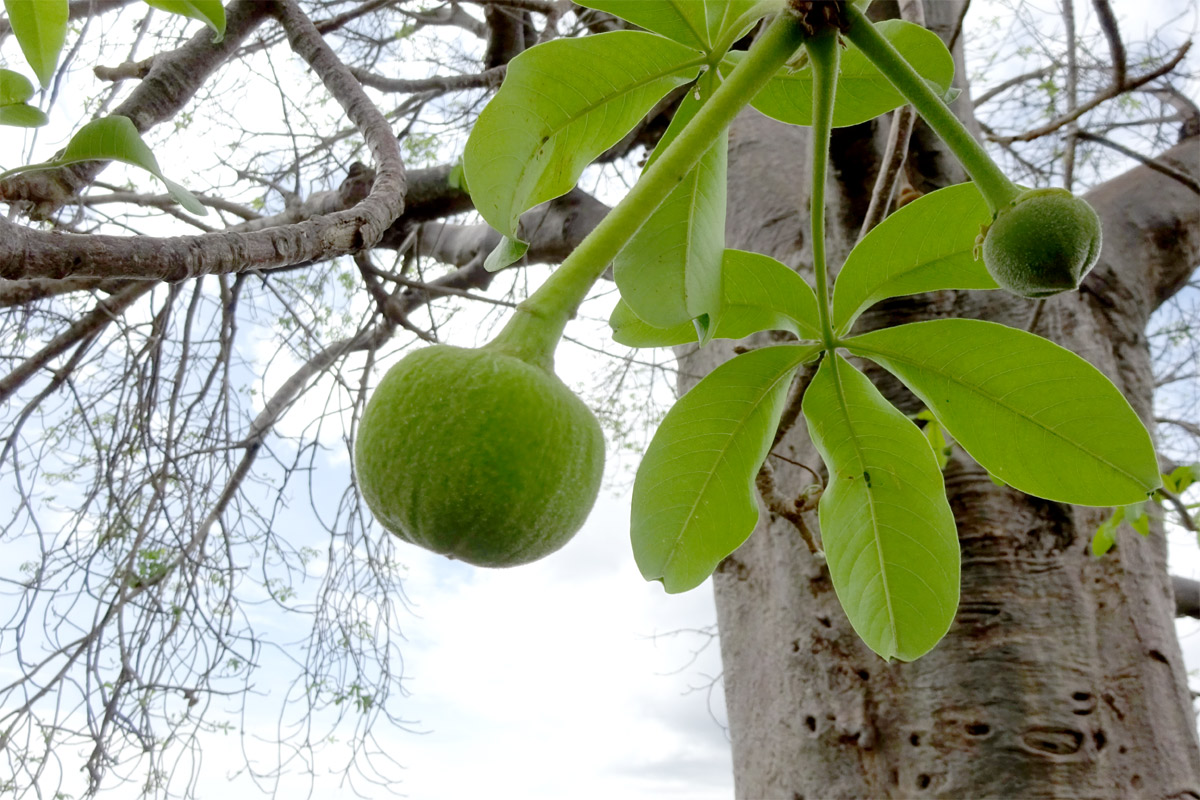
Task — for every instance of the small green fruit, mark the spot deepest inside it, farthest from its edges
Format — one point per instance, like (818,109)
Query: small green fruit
(478,455)
(1043,243)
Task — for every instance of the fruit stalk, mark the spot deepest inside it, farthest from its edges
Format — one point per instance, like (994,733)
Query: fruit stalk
(995,186)
(539,321)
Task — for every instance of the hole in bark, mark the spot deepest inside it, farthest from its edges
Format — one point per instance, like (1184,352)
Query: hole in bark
(1055,741)
(895,777)
(978,729)
(1136,781)
(796,646)
(849,738)
(923,781)
(1122,750)
(915,740)
(1100,739)
(797,796)
(811,723)
(862,673)
(1157,656)
(1082,696)
(825,621)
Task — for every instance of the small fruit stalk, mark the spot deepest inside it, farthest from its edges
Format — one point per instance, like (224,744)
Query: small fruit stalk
(1041,241)
(485,455)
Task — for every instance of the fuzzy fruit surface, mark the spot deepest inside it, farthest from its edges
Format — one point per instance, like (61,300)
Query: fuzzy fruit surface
(1044,243)
(479,456)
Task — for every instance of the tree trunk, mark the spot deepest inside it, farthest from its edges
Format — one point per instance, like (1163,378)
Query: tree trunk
(1061,676)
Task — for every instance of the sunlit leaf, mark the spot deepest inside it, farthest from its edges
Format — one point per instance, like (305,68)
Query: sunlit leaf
(210,12)
(14,88)
(670,271)
(1036,415)
(693,497)
(925,246)
(886,526)
(696,23)
(115,139)
(40,27)
(863,92)
(759,294)
(562,104)
(20,115)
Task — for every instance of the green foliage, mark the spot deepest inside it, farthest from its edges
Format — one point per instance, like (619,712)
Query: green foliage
(863,92)
(210,12)
(700,24)
(562,104)
(670,271)
(927,245)
(758,294)
(888,531)
(1036,416)
(693,501)
(41,30)
(15,91)
(115,139)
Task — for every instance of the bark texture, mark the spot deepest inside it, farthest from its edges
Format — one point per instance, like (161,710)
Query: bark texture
(1061,676)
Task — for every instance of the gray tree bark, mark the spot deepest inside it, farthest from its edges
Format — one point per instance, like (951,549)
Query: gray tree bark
(1061,676)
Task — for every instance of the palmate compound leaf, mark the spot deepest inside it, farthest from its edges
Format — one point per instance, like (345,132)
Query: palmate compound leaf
(925,246)
(758,294)
(670,271)
(863,92)
(1034,414)
(886,526)
(701,24)
(561,105)
(40,27)
(693,497)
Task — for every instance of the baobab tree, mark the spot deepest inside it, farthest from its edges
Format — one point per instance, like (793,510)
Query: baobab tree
(147,466)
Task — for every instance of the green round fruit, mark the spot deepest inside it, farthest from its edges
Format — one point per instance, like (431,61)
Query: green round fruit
(1043,243)
(479,456)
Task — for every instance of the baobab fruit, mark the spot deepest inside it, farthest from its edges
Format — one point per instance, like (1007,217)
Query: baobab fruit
(479,455)
(1042,243)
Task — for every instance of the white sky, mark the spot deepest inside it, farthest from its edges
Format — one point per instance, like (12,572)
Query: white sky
(546,681)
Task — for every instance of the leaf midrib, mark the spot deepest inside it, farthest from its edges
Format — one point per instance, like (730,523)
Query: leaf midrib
(691,515)
(875,524)
(883,354)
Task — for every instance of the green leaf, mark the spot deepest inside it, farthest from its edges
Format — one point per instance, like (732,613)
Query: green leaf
(1036,415)
(20,115)
(210,12)
(925,246)
(935,434)
(759,294)
(670,270)
(115,139)
(887,528)
(701,24)
(1181,478)
(14,88)
(693,497)
(1138,519)
(863,92)
(508,251)
(1106,535)
(562,104)
(41,29)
